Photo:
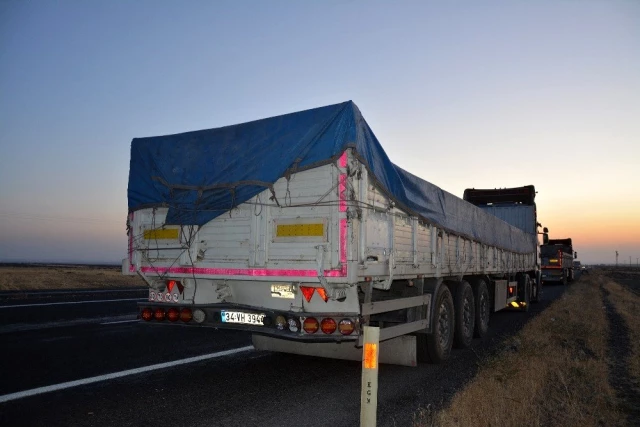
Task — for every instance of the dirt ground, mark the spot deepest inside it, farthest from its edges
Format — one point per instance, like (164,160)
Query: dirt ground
(622,299)
(20,277)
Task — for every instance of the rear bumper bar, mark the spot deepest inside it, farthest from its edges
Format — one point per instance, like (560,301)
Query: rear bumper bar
(213,319)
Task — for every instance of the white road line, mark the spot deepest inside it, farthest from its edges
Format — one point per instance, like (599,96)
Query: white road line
(119,321)
(71,302)
(90,380)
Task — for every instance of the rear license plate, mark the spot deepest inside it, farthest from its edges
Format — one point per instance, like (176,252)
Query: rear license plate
(240,317)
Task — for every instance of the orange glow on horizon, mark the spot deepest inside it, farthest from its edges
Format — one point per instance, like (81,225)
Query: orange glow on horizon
(592,223)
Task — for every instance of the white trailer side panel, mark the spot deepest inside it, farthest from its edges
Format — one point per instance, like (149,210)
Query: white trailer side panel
(392,242)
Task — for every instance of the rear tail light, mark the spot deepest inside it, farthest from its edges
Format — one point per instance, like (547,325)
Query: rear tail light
(198,316)
(328,325)
(346,326)
(173,314)
(171,284)
(146,314)
(307,292)
(281,323)
(323,294)
(294,324)
(158,314)
(310,325)
(186,315)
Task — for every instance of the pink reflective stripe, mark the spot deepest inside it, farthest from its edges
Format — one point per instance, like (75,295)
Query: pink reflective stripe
(254,272)
(336,273)
(342,189)
(131,267)
(343,242)
(343,160)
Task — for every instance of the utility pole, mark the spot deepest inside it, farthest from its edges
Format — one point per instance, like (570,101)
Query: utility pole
(616,259)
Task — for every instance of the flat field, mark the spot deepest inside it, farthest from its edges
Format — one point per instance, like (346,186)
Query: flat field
(21,277)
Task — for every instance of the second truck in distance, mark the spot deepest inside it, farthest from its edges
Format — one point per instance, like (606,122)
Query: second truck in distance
(557,257)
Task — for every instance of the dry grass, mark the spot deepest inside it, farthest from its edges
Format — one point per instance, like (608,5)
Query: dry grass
(628,306)
(553,373)
(58,277)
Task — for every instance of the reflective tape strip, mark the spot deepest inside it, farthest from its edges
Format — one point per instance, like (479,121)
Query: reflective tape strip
(162,234)
(300,230)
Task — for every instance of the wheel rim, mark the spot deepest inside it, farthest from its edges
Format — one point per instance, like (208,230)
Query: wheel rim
(484,308)
(466,316)
(443,326)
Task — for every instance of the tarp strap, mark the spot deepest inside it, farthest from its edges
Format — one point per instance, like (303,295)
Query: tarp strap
(273,195)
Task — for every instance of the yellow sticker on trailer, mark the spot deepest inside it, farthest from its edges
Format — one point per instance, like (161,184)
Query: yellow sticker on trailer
(300,230)
(162,234)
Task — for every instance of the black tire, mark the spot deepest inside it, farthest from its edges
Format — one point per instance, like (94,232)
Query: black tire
(465,315)
(524,291)
(436,346)
(564,278)
(536,289)
(483,308)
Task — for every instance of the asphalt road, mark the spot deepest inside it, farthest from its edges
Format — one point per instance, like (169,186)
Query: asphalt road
(22,311)
(245,388)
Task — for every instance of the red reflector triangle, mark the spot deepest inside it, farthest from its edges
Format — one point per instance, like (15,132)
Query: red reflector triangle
(323,294)
(307,292)
(180,287)
(170,285)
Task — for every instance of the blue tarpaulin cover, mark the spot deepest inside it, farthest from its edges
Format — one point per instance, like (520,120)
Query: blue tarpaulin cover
(202,174)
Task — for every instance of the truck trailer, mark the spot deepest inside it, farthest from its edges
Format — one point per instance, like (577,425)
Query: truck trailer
(557,258)
(299,229)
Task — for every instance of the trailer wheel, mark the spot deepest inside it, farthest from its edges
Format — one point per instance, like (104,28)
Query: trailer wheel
(483,308)
(465,315)
(436,346)
(564,278)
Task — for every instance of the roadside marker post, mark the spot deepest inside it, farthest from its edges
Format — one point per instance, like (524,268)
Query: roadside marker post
(369,397)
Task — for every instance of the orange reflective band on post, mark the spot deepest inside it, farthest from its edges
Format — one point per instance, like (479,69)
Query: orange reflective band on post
(370,356)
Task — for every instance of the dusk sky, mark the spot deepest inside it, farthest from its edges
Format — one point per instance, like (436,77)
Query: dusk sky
(463,94)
